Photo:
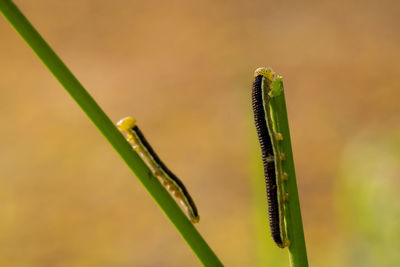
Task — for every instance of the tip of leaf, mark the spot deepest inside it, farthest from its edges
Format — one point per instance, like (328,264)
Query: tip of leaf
(276,86)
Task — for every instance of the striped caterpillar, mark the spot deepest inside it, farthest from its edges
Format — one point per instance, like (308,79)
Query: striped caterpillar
(167,178)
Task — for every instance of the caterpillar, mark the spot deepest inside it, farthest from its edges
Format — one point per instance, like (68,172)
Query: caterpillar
(271,155)
(167,178)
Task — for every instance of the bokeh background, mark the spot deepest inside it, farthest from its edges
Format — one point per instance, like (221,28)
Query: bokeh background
(184,70)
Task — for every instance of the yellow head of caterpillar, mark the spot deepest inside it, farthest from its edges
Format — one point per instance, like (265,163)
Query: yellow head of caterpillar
(268,73)
(126,124)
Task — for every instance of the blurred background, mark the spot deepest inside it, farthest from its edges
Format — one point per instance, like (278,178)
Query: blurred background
(184,69)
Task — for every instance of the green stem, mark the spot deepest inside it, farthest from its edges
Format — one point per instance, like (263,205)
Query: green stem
(294,225)
(110,132)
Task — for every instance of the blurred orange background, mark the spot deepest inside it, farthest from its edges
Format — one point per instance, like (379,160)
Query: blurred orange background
(184,69)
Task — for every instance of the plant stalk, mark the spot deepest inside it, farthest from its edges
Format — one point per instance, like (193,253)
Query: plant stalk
(109,131)
(294,225)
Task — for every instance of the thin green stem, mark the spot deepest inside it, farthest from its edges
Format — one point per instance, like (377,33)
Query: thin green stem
(110,132)
(294,225)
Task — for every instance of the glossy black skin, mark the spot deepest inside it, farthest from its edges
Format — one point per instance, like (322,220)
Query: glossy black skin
(269,165)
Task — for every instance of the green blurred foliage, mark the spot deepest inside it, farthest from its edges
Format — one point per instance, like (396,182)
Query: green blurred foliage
(367,200)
